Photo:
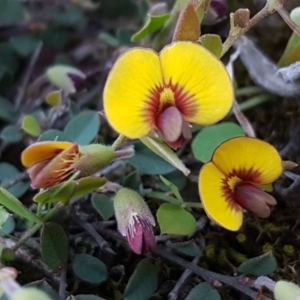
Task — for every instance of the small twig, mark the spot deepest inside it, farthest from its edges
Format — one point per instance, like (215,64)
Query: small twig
(28,73)
(287,19)
(62,283)
(209,276)
(232,38)
(173,295)
(103,244)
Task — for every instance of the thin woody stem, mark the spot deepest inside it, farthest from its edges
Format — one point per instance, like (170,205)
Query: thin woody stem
(233,38)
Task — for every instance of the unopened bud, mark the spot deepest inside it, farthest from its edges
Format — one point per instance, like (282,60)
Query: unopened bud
(135,220)
(69,79)
(242,17)
(217,12)
(285,290)
(30,294)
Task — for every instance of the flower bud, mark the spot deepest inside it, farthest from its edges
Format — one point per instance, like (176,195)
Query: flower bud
(30,294)
(217,12)
(51,163)
(69,79)
(242,17)
(135,220)
(285,290)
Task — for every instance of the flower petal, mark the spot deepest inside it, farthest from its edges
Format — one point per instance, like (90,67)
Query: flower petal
(219,208)
(40,151)
(128,91)
(206,93)
(254,160)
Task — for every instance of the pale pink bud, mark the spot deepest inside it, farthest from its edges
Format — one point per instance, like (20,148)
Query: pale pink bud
(135,220)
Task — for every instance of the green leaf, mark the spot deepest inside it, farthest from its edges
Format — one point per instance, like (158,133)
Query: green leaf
(11,203)
(11,134)
(209,138)
(189,248)
(84,127)
(176,177)
(54,135)
(45,287)
(24,44)
(54,36)
(132,180)
(103,205)
(153,24)
(8,173)
(4,215)
(9,226)
(213,43)
(8,57)
(124,36)
(87,185)
(143,282)
(54,98)
(147,162)
(7,110)
(89,269)
(88,297)
(259,266)
(203,291)
(109,39)
(163,150)
(291,53)
(31,125)
(11,12)
(168,215)
(172,187)
(56,194)
(72,16)
(54,245)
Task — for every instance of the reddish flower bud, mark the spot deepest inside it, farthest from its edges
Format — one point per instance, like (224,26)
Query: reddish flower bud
(135,220)
(217,12)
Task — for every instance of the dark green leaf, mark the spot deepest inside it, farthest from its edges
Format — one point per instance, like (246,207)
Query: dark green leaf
(208,139)
(259,266)
(168,215)
(11,134)
(7,111)
(54,135)
(143,282)
(24,44)
(163,150)
(153,24)
(124,36)
(189,248)
(87,185)
(8,57)
(109,39)
(8,173)
(11,203)
(54,36)
(72,16)
(54,245)
(9,226)
(87,297)
(203,291)
(89,269)
(132,180)
(148,162)
(84,127)
(103,205)
(176,177)
(11,12)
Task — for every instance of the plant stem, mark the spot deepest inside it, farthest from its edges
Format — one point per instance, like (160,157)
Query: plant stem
(232,38)
(119,141)
(31,231)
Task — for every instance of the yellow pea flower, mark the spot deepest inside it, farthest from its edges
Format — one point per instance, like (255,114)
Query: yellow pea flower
(232,180)
(183,84)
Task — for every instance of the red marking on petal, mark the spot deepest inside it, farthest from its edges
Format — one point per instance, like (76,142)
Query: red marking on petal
(254,199)
(240,177)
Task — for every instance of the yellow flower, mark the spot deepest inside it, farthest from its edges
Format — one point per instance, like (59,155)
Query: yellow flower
(232,180)
(165,92)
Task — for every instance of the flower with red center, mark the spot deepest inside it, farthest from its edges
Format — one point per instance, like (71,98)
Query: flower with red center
(232,181)
(135,220)
(183,84)
(51,163)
